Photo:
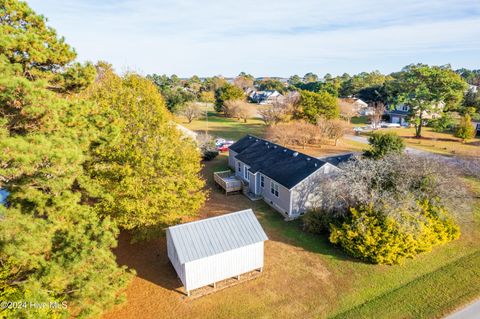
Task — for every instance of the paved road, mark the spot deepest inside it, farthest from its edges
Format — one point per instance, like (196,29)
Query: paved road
(470,312)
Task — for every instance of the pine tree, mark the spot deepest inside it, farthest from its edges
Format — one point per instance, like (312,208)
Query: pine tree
(56,247)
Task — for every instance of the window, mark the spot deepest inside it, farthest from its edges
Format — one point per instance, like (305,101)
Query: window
(245,173)
(239,167)
(405,108)
(262,181)
(274,188)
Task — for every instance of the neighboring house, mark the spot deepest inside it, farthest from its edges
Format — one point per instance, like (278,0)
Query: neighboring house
(210,250)
(401,112)
(355,105)
(285,179)
(472,88)
(265,97)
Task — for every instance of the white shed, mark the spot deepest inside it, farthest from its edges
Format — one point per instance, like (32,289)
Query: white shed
(213,249)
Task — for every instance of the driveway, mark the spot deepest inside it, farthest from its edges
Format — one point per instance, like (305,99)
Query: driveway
(470,312)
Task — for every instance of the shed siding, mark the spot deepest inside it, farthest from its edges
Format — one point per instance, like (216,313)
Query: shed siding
(172,255)
(280,203)
(308,192)
(206,271)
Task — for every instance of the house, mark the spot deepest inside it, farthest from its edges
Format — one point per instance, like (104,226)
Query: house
(355,106)
(285,179)
(210,250)
(400,113)
(265,97)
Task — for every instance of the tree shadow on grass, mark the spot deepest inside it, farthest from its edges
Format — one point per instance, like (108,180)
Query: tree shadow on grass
(149,259)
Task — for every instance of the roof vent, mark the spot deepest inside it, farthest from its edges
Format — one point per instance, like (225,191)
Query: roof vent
(295,154)
(308,158)
(256,140)
(285,150)
(266,143)
(275,146)
(250,137)
(315,164)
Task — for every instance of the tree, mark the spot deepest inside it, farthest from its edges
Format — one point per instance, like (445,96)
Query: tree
(310,77)
(337,129)
(148,173)
(465,130)
(279,111)
(53,244)
(347,110)
(26,40)
(294,80)
(271,85)
(313,105)
(351,86)
(383,144)
(238,109)
(423,88)
(228,92)
(190,111)
(243,82)
(207,97)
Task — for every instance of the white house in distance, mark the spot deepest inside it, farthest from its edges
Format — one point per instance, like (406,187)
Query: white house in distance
(265,97)
(210,250)
(401,111)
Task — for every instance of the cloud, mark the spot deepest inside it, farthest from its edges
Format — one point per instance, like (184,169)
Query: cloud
(268,37)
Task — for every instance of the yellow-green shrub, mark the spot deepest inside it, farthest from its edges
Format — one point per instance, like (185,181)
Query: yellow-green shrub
(371,235)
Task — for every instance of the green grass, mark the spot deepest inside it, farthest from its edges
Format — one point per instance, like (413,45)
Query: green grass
(360,120)
(227,128)
(432,295)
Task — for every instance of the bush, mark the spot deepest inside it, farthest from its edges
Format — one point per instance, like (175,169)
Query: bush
(318,221)
(373,236)
(207,147)
(384,144)
(442,124)
(465,130)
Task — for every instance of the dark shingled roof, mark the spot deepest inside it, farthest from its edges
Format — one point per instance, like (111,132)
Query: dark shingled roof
(338,159)
(285,166)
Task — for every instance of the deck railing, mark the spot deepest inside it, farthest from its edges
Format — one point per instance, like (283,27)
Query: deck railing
(228,181)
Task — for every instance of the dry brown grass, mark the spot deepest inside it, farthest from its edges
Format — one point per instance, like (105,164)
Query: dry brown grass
(440,143)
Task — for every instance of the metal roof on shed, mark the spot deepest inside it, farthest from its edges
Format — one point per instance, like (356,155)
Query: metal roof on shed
(215,235)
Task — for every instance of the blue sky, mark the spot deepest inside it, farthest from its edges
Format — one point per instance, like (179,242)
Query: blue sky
(268,38)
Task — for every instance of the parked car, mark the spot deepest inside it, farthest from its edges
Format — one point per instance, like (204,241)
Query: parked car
(389,125)
(224,147)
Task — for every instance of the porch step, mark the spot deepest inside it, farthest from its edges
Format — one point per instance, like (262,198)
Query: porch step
(251,196)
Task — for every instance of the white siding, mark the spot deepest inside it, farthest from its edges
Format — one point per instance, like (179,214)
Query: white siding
(172,255)
(231,158)
(280,203)
(308,192)
(206,271)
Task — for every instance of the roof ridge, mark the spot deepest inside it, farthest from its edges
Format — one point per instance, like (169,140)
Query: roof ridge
(283,147)
(211,218)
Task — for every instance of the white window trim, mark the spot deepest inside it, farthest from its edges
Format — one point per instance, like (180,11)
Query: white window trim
(274,189)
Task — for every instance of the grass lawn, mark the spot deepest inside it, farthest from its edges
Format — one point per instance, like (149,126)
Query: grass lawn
(305,276)
(440,143)
(221,126)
